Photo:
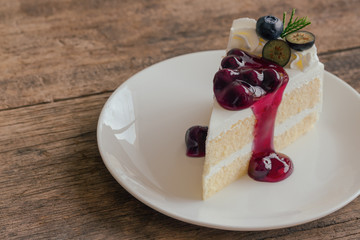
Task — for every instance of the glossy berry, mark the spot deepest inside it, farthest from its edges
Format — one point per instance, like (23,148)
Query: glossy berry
(195,138)
(251,76)
(232,62)
(270,167)
(236,96)
(271,80)
(224,77)
(237,52)
(269,27)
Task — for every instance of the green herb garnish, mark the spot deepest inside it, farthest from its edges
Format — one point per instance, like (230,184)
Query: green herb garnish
(295,25)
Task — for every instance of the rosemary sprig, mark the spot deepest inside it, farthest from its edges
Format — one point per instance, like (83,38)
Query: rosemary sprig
(295,25)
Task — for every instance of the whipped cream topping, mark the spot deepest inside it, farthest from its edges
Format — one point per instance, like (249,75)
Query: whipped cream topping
(303,60)
(243,35)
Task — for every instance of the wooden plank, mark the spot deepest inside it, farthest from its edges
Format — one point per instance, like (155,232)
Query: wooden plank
(344,64)
(31,126)
(61,49)
(54,185)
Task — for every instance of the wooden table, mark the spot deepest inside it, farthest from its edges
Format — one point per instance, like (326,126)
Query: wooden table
(60,60)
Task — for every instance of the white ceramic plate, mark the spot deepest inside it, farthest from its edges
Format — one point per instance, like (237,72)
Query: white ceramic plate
(141,133)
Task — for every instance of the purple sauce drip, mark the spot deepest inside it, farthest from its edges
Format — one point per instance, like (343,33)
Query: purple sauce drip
(246,81)
(265,164)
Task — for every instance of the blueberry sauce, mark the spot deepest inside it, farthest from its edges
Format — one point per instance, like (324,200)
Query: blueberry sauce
(266,165)
(246,81)
(195,138)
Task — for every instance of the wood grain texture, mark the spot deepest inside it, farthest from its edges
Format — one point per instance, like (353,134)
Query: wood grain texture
(58,49)
(344,64)
(61,60)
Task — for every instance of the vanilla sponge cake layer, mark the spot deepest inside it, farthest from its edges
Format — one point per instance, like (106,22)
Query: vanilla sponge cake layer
(230,136)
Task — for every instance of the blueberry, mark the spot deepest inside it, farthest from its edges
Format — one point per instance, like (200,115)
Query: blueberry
(277,51)
(223,78)
(232,62)
(271,80)
(251,76)
(269,27)
(237,52)
(236,96)
(300,40)
(270,167)
(195,138)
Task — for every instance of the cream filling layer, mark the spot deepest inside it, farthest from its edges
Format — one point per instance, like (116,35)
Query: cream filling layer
(279,129)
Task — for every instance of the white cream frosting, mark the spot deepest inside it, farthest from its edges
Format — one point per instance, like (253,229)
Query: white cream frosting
(303,60)
(243,35)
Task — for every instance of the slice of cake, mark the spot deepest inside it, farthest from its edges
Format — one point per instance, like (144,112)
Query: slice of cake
(230,142)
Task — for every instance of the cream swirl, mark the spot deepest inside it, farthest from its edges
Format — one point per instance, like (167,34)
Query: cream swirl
(243,35)
(304,59)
